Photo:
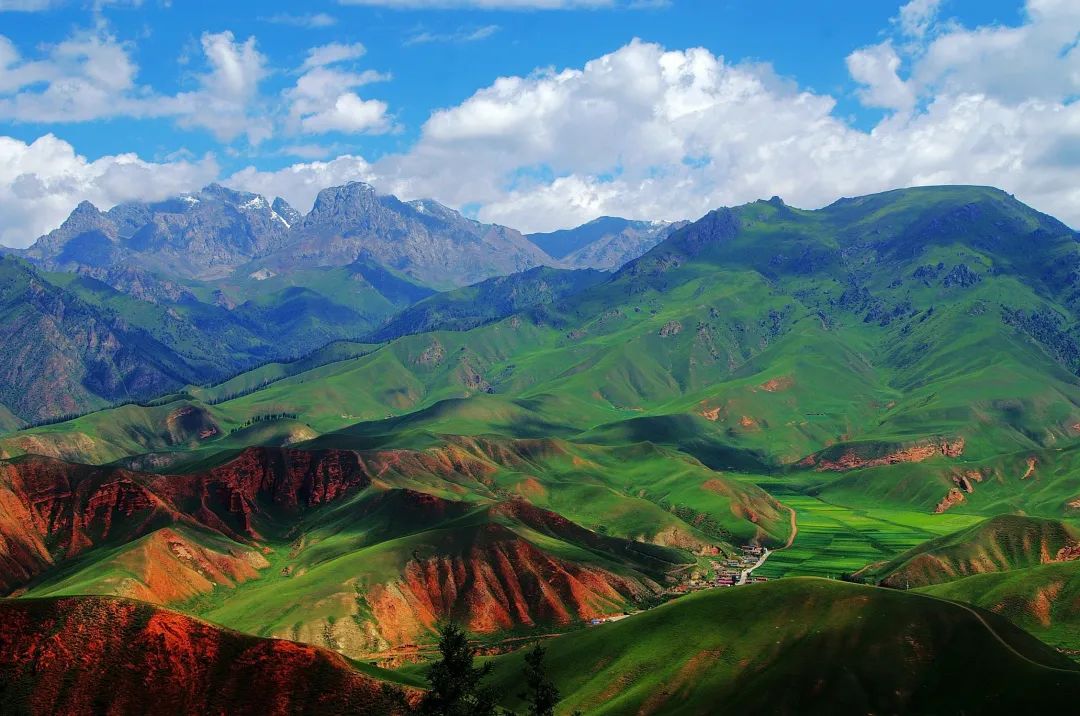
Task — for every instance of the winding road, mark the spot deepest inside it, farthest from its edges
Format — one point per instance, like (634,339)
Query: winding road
(745,575)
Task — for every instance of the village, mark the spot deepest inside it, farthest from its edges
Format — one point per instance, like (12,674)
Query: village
(731,572)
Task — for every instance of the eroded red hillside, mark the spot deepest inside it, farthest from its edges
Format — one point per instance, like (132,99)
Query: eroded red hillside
(90,655)
(52,510)
(498,582)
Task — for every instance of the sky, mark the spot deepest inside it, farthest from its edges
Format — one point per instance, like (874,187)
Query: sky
(537,114)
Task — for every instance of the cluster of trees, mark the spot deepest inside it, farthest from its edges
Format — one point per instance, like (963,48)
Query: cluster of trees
(456,685)
(266,417)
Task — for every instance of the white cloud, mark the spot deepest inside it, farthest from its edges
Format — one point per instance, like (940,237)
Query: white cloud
(324,98)
(310,21)
(916,17)
(460,35)
(91,76)
(695,132)
(225,103)
(349,113)
(876,68)
(88,76)
(1037,59)
(40,183)
(332,54)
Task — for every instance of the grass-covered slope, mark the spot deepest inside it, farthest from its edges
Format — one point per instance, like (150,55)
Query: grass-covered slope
(75,343)
(998,544)
(906,355)
(488,301)
(886,321)
(1043,599)
(804,646)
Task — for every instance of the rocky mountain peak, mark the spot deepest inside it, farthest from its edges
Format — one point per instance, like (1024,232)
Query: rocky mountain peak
(289,215)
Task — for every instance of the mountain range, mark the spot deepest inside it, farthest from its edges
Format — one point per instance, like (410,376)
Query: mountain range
(218,233)
(142,299)
(879,400)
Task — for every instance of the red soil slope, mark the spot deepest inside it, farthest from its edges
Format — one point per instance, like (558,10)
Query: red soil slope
(90,655)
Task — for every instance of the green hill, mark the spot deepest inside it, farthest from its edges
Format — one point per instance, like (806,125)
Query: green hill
(999,544)
(75,343)
(1043,599)
(804,646)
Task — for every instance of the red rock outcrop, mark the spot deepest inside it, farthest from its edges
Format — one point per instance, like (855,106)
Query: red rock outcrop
(953,497)
(853,460)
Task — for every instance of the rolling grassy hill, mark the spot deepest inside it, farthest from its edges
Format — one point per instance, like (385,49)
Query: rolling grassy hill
(803,646)
(748,321)
(998,544)
(75,343)
(1043,599)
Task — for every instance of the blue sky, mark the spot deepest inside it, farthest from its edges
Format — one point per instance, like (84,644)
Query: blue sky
(609,107)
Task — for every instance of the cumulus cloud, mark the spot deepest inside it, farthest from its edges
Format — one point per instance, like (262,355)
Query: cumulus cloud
(91,76)
(695,131)
(41,182)
(88,76)
(225,102)
(324,98)
(876,69)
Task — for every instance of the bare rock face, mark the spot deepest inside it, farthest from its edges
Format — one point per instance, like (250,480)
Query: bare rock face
(213,232)
(671,328)
(423,239)
(201,235)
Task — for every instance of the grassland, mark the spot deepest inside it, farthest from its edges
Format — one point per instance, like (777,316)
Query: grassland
(834,540)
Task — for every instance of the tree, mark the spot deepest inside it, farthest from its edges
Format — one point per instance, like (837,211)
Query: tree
(540,692)
(456,685)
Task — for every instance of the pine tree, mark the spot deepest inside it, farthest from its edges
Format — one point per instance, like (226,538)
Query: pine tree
(540,692)
(456,685)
